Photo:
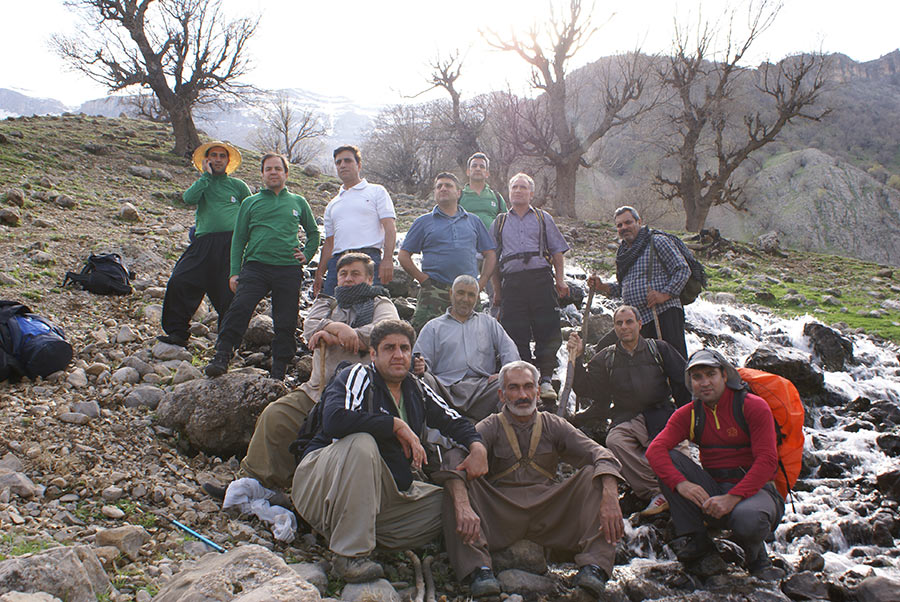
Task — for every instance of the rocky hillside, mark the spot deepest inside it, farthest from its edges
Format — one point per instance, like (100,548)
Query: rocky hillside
(99,458)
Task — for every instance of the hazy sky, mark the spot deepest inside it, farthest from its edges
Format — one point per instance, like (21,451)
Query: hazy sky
(375,52)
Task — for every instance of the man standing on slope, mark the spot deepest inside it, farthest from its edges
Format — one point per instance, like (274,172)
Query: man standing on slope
(650,275)
(360,218)
(203,268)
(735,485)
(448,239)
(479,198)
(530,249)
(264,259)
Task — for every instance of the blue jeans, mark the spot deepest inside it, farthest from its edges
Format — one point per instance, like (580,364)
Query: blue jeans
(331,275)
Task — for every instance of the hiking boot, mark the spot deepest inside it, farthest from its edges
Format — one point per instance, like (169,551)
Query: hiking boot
(764,570)
(548,393)
(484,583)
(591,577)
(278,369)
(173,339)
(219,364)
(698,546)
(356,569)
(656,506)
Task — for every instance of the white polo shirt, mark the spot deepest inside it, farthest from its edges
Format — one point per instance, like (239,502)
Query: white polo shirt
(354,217)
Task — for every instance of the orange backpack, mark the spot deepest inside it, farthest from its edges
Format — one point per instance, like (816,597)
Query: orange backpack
(787,409)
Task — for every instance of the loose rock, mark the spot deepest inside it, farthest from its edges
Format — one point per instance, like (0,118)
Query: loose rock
(69,573)
(127,539)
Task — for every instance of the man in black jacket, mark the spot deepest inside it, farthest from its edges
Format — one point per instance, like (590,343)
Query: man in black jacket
(359,482)
(633,383)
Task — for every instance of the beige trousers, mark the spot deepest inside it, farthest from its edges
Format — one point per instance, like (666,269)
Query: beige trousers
(628,441)
(346,492)
(268,459)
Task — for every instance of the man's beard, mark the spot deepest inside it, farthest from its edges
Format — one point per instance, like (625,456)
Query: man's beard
(520,410)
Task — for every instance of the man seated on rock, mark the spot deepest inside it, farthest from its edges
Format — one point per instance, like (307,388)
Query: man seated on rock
(633,383)
(358,483)
(448,238)
(338,329)
(459,351)
(734,487)
(519,498)
(203,268)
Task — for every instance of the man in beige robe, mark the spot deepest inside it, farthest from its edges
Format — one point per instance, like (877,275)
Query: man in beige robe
(520,497)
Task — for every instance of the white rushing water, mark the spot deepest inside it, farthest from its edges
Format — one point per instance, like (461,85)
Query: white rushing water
(822,504)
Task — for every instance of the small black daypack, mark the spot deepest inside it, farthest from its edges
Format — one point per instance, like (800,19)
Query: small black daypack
(104,274)
(30,345)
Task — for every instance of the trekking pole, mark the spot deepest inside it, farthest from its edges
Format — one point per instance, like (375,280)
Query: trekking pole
(656,322)
(562,408)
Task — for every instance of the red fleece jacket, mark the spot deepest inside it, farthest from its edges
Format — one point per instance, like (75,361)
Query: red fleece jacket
(759,459)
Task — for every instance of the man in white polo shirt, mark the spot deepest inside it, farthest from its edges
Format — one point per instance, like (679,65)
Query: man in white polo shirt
(359,218)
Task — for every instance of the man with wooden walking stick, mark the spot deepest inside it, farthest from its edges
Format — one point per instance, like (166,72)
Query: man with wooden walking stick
(651,272)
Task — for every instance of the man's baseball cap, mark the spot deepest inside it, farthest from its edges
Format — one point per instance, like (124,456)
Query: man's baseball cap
(711,357)
(234,155)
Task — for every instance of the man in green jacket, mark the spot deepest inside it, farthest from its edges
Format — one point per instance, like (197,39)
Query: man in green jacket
(203,268)
(265,258)
(479,198)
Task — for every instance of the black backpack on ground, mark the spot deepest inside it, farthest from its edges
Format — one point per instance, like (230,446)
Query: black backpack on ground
(104,274)
(30,345)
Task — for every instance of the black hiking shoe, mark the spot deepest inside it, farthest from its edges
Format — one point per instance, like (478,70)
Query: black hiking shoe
(484,583)
(219,365)
(592,578)
(173,339)
(697,546)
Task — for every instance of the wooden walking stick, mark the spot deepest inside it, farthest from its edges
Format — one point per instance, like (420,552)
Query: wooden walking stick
(656,322)
(562,409)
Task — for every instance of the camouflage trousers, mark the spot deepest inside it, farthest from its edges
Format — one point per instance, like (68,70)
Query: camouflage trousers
(432,301)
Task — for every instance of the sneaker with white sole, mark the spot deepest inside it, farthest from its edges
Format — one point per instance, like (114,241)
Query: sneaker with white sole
(656,506)
(548,393)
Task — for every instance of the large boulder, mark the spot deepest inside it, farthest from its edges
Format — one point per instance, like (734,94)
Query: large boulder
(829,345)
(261,574)
(792,364)
(400,285)
(878,589)
(217,415)
(69,573)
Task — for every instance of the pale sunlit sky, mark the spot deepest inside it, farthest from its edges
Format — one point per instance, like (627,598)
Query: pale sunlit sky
(375,52)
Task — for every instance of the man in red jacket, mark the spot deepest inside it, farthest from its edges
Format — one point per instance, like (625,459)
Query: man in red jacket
(734,488)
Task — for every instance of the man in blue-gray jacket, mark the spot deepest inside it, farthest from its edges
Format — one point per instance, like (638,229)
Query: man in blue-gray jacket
(359,482)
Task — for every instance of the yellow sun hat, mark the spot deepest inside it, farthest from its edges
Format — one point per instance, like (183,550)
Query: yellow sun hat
(234,155)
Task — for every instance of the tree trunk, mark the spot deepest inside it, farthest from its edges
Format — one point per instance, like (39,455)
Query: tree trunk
(186,137)
(565,187)
(695,211)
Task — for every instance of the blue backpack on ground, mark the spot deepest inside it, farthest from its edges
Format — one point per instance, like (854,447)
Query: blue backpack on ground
(29,344)
(104,274)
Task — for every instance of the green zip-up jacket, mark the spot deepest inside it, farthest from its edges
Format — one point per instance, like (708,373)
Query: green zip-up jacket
(266,230)
(218,199)
(486,205)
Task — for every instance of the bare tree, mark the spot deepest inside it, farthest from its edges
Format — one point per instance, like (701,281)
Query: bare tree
(185,51)
(146,106)
(462,121)
(291,131)
(555,136)
(403,151)
(710,138)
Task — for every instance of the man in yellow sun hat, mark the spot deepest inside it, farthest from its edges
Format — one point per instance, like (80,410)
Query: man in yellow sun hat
(204,267)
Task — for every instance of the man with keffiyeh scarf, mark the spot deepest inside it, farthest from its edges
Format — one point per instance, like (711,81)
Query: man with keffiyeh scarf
(338,328)
(649,277)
